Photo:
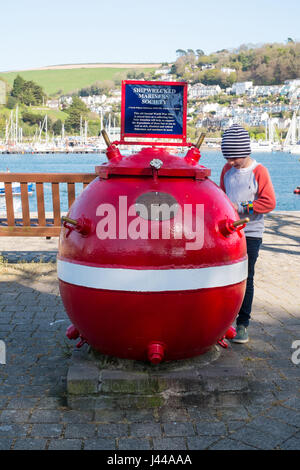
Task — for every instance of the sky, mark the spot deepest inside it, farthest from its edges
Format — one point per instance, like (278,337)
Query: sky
(37,33)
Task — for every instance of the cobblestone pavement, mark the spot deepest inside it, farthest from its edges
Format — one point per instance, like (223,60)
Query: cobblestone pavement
(24,249)
(33,412)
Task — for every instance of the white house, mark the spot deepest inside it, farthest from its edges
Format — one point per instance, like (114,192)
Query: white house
(264,90)
(53,104)
(113,100)
(227,70)
(66,100)
(207,108)
(93,100)
(208,67)
(201,91)
(163,71)
(116,93)
(240,88)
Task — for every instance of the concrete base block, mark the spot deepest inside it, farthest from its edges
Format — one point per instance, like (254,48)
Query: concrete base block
(95,381)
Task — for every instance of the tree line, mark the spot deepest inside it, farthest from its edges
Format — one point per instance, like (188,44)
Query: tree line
(28,93)
(77,112)
(269,64)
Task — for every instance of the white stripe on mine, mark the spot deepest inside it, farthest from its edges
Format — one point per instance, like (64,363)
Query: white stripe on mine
(151,280)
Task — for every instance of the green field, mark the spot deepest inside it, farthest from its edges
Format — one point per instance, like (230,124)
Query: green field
(53,114)
(64,81)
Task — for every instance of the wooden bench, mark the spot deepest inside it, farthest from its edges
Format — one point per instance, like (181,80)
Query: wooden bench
(40,225)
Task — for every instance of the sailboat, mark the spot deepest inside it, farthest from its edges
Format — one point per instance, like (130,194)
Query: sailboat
(269,144)
(274,137)
(292,140)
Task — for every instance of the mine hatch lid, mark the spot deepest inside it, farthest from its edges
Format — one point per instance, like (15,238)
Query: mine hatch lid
(149,164)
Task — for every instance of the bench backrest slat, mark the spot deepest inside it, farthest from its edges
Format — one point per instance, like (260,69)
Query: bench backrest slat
(40,203)
(71,193)
(56,203)
(25,204)
(9,204)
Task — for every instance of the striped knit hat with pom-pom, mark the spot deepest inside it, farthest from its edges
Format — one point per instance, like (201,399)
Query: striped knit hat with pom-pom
(236,142)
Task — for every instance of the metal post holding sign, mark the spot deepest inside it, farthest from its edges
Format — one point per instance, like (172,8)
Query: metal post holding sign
(155,110)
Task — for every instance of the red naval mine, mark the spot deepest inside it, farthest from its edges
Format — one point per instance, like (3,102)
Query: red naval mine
(140,282)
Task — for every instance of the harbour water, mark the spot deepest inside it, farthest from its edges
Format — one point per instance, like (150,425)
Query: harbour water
(284,169)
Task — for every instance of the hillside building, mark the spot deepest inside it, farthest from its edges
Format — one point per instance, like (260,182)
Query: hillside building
(202,91)
(227,70)
(53,104)
(240,88)
(163,71)
(264,90)
(93,100)
(208,67)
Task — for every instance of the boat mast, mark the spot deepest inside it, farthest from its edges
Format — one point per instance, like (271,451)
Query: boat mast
(109,125)
(46,128)
(290,137)
(6,131)
(101,119)
(85,131)
(11,126)
(16,127)
(81,131)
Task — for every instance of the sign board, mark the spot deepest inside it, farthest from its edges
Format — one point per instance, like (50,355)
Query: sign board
(153,109)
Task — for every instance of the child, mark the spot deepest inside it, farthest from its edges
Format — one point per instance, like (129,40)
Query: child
(249,187)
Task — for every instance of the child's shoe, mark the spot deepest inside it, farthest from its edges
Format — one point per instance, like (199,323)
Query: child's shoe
(241,335)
